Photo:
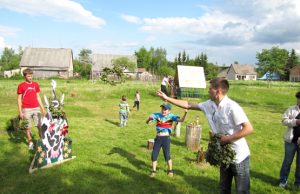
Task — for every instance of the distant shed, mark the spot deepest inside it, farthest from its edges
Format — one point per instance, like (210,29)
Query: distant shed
(295,74)
(48,62)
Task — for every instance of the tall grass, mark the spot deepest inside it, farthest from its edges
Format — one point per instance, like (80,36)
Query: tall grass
(115,160)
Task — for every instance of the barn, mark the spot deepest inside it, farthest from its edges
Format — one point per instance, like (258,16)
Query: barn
(100,61)
(48,62)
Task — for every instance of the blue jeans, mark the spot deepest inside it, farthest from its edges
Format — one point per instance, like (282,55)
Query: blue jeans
(123,118)
(290,149)
(164,143)
(241,174)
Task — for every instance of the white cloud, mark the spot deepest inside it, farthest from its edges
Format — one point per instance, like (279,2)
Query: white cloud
(214,28)
(8,31)
(64,10)
(280,24)
(233,23)
(131,19)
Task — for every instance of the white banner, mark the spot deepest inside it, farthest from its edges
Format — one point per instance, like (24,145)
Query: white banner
(191,77)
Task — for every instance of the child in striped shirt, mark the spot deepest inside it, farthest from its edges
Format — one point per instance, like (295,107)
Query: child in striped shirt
(124,111)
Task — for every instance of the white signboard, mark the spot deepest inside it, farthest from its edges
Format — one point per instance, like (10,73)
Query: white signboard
(191,77)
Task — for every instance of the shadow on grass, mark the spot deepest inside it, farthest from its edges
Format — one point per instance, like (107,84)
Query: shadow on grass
(148,185)
(129,156)
(193,159)
(112,122)
(177,142)
(200,183)
(91,178)
(264,178)
(16,135)
(154,185)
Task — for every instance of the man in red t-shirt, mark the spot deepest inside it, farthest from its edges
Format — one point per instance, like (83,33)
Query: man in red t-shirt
(29,103)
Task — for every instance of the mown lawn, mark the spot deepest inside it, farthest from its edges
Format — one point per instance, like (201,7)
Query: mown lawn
(110,159)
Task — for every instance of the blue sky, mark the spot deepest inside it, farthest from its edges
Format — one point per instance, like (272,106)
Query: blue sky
(227,31)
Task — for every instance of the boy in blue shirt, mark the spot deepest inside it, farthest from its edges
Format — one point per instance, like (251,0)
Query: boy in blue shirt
(164,121)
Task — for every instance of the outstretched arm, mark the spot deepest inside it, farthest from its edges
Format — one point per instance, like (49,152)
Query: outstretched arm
(181,103)
(183,117)
(149,120)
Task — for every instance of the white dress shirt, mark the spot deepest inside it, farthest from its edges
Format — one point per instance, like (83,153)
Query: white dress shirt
(227,119)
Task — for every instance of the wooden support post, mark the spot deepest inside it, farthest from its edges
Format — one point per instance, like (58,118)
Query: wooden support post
(150,144)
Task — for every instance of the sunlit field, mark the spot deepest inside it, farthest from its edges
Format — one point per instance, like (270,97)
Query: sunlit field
(110,159)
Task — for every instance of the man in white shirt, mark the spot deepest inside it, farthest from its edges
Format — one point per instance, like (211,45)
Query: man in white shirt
(164,84)
(225,116)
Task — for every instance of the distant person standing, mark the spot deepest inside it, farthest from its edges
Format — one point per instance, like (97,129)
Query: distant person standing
(291,119)
(124,111)
(164,84)
(29,104)
(137,98)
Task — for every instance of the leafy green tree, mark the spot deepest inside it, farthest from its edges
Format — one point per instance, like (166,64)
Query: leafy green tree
(159,60)
(143,58)
(119,65)
(125,63)
(9,59)
(293,60)
(179,59)
(272,60)
(83,64)
(165,70)
(83,69)
(184,57)
(84,55)
(211,71)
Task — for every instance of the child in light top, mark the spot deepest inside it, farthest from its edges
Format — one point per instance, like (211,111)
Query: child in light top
(164,121)
(124,111)
(137,99)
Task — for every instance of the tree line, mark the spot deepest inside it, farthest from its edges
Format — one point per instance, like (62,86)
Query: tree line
(274,60)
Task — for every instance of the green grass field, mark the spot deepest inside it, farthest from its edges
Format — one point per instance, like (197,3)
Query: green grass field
(110,159)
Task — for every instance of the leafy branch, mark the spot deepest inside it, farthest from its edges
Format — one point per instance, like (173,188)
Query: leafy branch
(218,154)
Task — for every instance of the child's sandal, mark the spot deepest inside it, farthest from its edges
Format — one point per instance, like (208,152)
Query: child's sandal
(170,173)
(153,173)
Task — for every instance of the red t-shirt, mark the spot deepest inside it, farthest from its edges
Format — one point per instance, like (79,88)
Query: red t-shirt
(29,97)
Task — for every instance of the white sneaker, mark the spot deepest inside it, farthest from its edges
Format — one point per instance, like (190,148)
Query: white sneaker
(30,146)
(283,184)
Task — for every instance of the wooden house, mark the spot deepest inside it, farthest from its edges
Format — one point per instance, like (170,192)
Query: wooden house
(295,74)
(48,62)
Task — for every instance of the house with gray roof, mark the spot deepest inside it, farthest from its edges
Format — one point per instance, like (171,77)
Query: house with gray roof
(48,62)
(241,72)
(223,73)
(100,61)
